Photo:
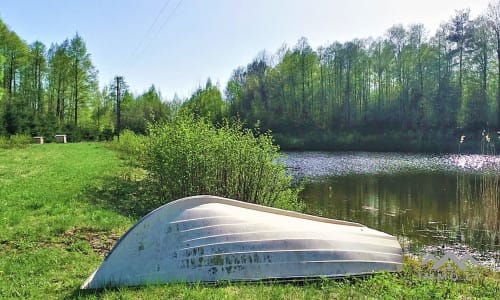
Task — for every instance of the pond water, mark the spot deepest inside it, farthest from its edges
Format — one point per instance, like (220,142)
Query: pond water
(437,201)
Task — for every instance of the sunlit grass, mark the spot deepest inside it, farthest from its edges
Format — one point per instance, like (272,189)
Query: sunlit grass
(43,196)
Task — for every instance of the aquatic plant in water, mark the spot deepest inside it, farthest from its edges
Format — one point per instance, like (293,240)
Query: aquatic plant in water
(484,215)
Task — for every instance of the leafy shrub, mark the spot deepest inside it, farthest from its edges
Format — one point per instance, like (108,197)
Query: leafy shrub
(106,134)
(188,157)
(15,141)
(130,143)
(4,142)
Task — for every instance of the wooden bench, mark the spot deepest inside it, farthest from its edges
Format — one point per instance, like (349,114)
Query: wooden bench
(61,138)
(38,139)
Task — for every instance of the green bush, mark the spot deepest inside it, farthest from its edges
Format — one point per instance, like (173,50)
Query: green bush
(4,142)
(15,141)
(130,143)
(106,134)
(188,157)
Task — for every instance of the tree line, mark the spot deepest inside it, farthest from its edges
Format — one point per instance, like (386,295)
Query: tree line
(46,90)
(406,90)
(409,84)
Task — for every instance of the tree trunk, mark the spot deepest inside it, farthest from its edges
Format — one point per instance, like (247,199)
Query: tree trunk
(348,94)
(12,80)
(76,92)
(498,82)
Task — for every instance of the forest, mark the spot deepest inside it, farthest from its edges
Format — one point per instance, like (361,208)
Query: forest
(407,90)
(45,91)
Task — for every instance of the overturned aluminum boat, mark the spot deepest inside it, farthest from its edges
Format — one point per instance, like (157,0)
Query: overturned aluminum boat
(208,239)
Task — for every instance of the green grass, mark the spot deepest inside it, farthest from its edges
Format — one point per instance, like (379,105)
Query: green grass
(63,204)
(45,217)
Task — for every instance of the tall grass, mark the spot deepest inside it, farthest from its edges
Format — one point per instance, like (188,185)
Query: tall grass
(130,144)
(189,157)
(483,214)
(15,141)
(490,191)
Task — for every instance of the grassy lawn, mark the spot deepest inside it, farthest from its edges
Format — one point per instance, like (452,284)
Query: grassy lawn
(47,225)
(62,206)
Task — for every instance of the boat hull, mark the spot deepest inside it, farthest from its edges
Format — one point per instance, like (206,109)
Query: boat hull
(210,239)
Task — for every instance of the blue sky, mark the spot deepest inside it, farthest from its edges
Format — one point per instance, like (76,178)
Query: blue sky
(192,40)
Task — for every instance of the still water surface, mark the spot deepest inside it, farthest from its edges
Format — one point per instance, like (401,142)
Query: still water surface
(426,200)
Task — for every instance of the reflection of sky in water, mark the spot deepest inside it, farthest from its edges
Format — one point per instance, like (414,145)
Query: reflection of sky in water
(313,164)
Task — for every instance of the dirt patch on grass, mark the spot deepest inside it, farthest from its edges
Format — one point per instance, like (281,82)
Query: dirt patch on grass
(75,239)
(100,241)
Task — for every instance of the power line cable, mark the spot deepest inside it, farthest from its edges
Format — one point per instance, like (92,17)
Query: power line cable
(163,25)
(150,29)
(138,52)
(130,63)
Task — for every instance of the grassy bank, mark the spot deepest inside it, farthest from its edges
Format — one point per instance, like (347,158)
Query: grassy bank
(62,206)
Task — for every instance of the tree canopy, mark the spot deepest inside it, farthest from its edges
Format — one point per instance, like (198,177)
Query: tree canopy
(408,83)
(45,91)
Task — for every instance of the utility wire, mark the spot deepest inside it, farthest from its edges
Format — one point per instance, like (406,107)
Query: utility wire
(139,54)
(163,25)
(144,37)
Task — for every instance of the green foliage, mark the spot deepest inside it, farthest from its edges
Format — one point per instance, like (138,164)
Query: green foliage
(130,143)
(188,157)
(106,134)
(15,141)
(20,140)
(2,60)
(83,77)
(4,142)
(406,83)
(55,90)
(146,108)
(206,103)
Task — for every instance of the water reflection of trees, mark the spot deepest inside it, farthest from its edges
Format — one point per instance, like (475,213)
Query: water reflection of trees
(428,208)
(479,203)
